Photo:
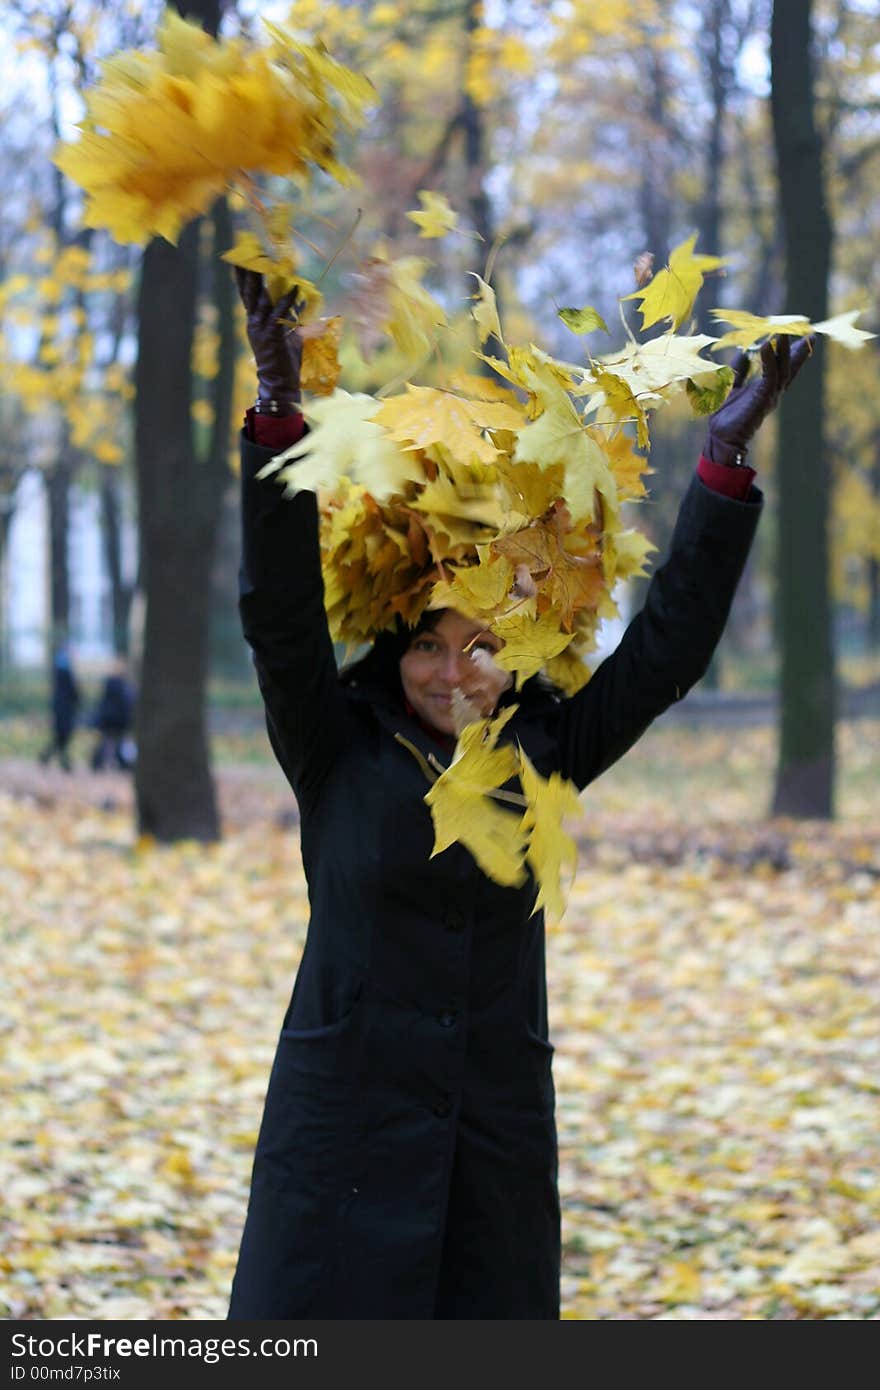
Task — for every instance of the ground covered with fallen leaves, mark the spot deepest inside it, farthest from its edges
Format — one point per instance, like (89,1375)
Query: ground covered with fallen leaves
(713,988)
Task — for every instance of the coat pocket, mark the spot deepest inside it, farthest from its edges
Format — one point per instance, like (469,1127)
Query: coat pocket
(304,1135)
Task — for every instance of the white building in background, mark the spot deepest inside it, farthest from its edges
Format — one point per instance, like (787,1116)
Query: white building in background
(25,586)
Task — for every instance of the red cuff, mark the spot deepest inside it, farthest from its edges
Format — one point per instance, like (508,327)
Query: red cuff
(273,431)
(730,482)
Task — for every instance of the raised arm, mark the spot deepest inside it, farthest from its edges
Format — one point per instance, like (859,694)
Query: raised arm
(281,591)
(668,645)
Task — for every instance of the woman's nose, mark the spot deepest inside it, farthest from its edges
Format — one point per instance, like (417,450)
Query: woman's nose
(455,667)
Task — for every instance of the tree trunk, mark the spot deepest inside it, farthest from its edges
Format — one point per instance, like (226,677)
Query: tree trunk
(58,480)
(229,655)
(177,507)
(805,771)
(7,511)
(111,528)
(872,634)
(718,78)
(473,126)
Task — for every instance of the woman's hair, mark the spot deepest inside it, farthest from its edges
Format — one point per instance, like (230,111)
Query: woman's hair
(380,665)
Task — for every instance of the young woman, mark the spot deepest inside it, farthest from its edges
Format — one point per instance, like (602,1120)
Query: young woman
(406,1165)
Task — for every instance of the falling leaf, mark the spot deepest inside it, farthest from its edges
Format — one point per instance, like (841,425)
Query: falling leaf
(344,441)
(462,811)
(529,643)
(166,132)
(707,396)
(320,358)
(643,267)
(485,311)
(552,853)
(749,329)
(436,218)
(670,294)
(424,415)
(583,320)
(841,329)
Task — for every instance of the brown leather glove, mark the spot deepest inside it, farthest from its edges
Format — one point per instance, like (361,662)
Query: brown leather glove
(276,345)
(750,402)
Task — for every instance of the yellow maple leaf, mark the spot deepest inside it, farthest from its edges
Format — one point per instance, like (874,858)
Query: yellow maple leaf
(568,671)
(583,320)
(279,269)
(485,311)
(320,357)
(748,329)
(423,416)
(625,555)
(167,132)
(529,643)
(462,810)
(531,366)
(620,402)
(841,329)
(670,294)
(458,512)
(570,581)
(435,218)
(558,436)
(479,592)
(551,850)
(628,468)
(481,388)
(344,441)
(531,489)
(106,451)
(413,315)
(658,368)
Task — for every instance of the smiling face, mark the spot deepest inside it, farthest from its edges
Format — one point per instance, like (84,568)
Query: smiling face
(454,654)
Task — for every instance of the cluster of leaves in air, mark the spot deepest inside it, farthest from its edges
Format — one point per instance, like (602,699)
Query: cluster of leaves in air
(168,132)
(498,493)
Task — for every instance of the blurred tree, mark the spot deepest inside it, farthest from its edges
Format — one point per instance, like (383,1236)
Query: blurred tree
(805,770)
(66,306)
(179,495)
(847,110)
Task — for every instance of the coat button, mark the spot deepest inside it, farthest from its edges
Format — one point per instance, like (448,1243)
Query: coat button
(447,1018)
(443,1107)
(454,920)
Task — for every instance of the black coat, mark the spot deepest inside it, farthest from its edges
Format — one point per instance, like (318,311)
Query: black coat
(115,709)
(65,699)
(406,1163)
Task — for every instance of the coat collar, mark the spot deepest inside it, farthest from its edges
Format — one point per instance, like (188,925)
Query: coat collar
(531,732)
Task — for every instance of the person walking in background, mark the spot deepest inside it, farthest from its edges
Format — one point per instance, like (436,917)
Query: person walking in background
(63,708)
(113,718)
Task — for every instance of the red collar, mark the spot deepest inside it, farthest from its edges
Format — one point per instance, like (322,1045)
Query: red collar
(446,741)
